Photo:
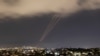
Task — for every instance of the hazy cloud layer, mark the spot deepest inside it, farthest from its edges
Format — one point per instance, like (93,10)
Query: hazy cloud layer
(33,7)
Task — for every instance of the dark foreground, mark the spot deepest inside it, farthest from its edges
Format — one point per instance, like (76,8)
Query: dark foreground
(31,51)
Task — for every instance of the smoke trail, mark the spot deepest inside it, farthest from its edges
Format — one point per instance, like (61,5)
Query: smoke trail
(55,19)
(50,26)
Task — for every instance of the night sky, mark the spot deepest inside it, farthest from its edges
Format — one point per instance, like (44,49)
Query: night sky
(81,29)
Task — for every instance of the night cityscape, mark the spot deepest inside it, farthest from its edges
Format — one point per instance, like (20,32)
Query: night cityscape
(34,51)
(49,27)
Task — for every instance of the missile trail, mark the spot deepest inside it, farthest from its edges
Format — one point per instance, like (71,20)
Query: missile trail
(50,27)
(55,19)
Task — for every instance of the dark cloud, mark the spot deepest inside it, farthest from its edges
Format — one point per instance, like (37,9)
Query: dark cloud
(35,7)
